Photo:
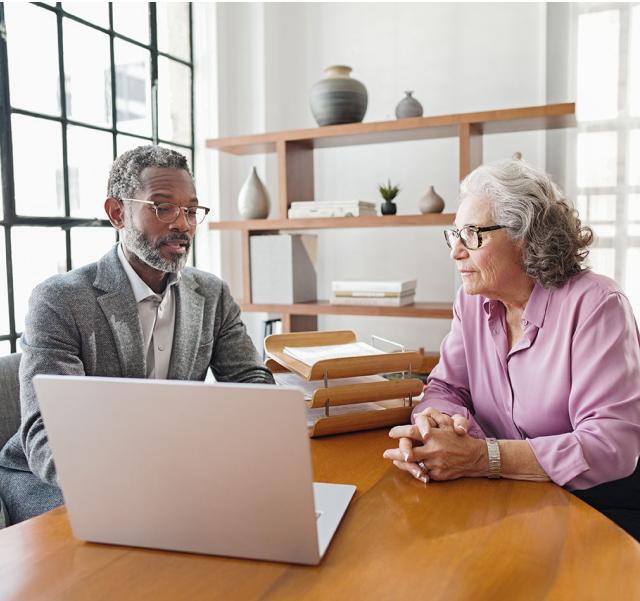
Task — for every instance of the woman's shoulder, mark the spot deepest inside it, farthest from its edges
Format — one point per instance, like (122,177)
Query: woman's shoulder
(587,291)
(589,283)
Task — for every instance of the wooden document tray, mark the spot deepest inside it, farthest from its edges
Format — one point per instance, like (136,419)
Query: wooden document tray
(394,396)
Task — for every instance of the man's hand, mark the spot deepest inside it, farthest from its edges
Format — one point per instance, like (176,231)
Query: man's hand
(437,447)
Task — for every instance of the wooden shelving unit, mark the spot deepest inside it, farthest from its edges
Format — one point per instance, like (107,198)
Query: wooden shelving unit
(425,310)
(294,150)
(276,225)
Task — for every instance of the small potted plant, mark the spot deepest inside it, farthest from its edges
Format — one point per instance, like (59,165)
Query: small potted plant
(388,192)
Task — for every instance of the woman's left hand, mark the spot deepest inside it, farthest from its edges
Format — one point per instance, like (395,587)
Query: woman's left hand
(441,444)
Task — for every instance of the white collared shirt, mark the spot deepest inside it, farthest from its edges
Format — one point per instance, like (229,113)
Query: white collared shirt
(157,313)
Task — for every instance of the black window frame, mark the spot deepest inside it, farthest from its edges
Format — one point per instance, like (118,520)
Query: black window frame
(9,218)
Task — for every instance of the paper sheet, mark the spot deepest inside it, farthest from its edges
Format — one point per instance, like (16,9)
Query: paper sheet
(312,354)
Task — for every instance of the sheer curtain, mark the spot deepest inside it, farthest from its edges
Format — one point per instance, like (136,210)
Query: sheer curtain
(607,169)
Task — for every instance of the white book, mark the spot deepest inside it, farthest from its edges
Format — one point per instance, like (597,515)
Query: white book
(312,354)
(308,213)
(398,301)
(332,203)
(373,286)
(373,294)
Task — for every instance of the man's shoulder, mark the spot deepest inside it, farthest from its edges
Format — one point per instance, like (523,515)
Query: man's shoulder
(72,281)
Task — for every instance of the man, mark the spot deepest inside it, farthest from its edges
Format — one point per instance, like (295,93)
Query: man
(138,312)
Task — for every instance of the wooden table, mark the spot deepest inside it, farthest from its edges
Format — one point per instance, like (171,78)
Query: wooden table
(470,539)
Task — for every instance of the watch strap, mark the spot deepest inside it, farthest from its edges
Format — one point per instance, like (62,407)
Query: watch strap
(493,452)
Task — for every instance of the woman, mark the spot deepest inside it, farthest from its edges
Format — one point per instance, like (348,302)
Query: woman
(543,354)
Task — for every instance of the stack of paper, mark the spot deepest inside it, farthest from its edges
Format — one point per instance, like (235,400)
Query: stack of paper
(396,293)
(330,208)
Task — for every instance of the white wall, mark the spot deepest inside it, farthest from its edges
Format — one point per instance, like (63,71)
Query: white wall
(456,57)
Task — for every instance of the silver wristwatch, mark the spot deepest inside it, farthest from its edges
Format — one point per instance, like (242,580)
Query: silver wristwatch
(493,451)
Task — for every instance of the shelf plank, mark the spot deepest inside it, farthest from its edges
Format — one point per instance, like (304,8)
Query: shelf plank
(551,116)
(424,310)
(321,223)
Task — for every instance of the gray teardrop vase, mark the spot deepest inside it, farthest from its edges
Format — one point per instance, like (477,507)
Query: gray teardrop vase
(431,202)
(408,107)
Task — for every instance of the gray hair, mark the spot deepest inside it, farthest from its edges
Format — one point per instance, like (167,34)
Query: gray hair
(534,210)
(124,177)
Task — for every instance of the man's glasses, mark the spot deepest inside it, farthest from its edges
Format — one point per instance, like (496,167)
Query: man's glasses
(469,235)
(167,212)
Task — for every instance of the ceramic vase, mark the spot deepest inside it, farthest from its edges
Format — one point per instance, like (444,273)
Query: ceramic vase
(388,208)
(408,107)
(431,202)
(337,98)
(253,200)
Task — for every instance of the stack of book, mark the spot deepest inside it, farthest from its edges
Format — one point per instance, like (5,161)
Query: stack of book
(392,293)
(331,208)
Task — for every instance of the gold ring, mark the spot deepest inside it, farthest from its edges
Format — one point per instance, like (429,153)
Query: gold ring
(425,469)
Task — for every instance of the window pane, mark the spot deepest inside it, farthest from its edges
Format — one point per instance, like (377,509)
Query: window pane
(125,143)
(600,207)
(184,152)
(4,289)
(602,261)
(132,19)
(37,164)
(88,244)
(46,243)
(173,28)
(133,88)
(33,70)
(88,171)
(633,216)
(597,157)
(634,63)
(174,101)
(5,348)
(87,74)
(94,12)
(633,163)
(582,206)
(597,96)
(604,230)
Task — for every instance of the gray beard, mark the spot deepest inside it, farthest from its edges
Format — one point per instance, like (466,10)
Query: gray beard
(136,243)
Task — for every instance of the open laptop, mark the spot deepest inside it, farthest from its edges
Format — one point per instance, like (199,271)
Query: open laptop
(223,469)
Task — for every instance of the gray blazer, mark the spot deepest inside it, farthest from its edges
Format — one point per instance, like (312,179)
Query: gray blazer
(86,322)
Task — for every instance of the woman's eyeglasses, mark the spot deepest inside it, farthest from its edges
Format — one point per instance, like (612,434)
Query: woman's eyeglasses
(469,235)
(167,212)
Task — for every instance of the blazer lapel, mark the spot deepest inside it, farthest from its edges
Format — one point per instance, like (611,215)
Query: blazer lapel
(187,330)
(119,307)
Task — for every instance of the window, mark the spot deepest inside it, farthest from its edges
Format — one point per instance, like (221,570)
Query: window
(608,138)
(80,82)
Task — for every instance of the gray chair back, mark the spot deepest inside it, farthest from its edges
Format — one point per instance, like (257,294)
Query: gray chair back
(9,397)
(9,409)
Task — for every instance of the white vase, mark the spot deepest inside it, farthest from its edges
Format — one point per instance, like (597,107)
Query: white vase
(253,200)
(431,202)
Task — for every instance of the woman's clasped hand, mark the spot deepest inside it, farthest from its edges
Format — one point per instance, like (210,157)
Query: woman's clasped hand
(438,447)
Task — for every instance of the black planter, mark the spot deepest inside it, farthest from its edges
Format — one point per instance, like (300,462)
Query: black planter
(388,208)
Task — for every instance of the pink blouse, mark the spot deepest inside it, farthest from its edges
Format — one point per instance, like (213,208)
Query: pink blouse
(570,386)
